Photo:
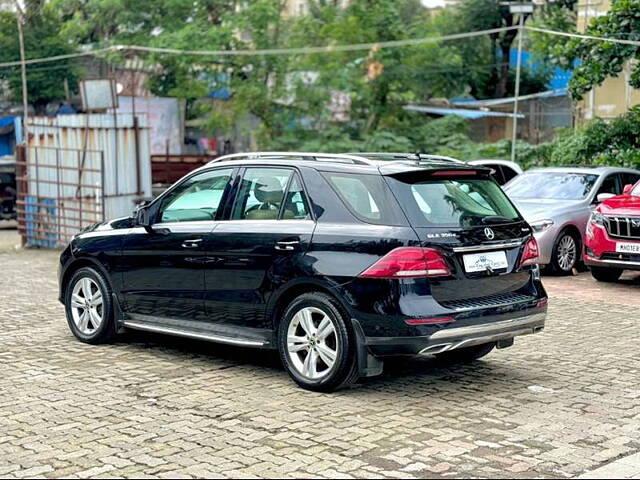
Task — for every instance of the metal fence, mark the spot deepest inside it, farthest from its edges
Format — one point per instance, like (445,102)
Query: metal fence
(60,192)
(77,170)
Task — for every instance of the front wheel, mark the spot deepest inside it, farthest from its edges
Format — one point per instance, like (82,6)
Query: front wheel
(565,253)
(316,344)
(603,274)
(466,355)
(89,307)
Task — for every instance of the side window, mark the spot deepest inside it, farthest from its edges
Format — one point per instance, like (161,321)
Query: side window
(508,173)
(610,185)
(261,194)
(197,199)
(629,179)
(295,203)
(353,189)
(499,174)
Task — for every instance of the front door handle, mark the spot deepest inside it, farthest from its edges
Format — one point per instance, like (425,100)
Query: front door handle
(192,243)
(287,245)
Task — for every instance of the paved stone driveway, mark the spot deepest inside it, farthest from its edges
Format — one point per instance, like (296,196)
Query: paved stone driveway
(558,404)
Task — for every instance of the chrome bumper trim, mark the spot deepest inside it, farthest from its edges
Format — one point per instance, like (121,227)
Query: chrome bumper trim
(614,262)
(195,335)
(485,247)
(460,337)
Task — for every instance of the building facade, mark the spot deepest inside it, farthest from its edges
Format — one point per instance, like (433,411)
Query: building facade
(615,96)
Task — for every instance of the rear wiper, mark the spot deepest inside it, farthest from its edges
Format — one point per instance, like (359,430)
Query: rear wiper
(496,219)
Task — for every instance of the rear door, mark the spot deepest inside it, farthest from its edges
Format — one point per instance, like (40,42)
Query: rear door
(470,220)
(259,248)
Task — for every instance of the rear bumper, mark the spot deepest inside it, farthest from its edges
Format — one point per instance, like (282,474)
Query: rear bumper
(454,337)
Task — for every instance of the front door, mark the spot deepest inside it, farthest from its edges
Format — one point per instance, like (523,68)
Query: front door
(163,274)
(258,249)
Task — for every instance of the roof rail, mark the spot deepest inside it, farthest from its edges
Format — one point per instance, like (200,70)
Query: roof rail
(397,156)
(353,158)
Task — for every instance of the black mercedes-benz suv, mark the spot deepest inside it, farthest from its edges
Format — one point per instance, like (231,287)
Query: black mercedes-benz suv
(337,261)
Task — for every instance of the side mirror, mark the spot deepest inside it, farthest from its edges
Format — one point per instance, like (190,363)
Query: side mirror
(141,216)
(627,189)
(604,196)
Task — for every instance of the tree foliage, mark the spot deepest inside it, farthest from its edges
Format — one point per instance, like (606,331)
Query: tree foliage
(41,28)
(597,60)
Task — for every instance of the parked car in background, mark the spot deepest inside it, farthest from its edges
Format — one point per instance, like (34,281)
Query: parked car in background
(557,203)
(7,190)
(336,261)
(503,170)
(612,239)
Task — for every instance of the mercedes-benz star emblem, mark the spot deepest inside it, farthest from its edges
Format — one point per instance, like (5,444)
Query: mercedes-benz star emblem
(489,233)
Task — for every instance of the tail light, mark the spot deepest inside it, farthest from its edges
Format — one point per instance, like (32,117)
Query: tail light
(409,262)
(531,253)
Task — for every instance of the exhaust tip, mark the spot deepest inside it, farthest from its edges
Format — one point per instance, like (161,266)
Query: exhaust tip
(433,349)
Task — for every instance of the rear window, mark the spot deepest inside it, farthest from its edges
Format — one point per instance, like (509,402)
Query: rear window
(455,202)
(368,197)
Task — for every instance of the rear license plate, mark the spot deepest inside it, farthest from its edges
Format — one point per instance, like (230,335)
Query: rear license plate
(480,262)
(625,247)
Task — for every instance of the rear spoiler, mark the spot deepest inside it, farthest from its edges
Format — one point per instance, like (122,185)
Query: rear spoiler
(447,171)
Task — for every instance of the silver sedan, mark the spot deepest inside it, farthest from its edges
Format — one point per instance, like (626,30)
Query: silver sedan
(557,203)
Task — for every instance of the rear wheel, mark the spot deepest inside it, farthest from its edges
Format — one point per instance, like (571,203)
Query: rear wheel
(466,355)
(603,274)
(566,253)
(89,307)
(316,344)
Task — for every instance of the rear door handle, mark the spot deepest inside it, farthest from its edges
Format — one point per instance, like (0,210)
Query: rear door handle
(287,245)
(195,243)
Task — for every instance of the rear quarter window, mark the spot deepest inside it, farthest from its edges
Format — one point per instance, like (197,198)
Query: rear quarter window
(368,197)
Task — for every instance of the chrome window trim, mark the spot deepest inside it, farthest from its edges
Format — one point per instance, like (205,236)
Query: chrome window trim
(486,247)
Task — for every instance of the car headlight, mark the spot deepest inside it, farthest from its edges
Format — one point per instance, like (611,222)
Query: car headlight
(597,218)
(541,225)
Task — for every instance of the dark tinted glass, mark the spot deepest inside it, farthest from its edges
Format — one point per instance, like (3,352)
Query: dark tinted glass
(368,197)
(456,202)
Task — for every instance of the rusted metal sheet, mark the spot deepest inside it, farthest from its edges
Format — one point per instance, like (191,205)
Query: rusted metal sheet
(81,169)
(167,169)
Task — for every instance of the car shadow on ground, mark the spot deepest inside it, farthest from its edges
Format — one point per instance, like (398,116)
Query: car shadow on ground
(404,372)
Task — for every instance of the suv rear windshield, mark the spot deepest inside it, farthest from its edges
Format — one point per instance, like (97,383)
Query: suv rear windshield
(454,202)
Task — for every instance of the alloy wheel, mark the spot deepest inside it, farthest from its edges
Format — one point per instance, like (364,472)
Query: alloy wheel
(567,253)
(87,306)
(312,343)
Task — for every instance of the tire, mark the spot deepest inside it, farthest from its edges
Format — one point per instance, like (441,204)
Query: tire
(604,274)
(98,324)
(466,355)
(336,340)
(566,253)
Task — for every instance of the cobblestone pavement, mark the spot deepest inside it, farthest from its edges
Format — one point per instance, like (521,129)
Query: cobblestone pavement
(557,404)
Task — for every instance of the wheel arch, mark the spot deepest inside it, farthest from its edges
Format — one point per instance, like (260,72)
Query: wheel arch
(75,265)
(279,302)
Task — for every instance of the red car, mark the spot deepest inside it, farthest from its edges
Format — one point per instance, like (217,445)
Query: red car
(612,237)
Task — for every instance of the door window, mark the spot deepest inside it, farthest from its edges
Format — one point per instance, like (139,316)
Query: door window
(295,204)
(610,184)
(261,194)
(197,199)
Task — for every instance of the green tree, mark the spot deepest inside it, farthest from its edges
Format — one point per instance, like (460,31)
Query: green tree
(45,81)
(597,60)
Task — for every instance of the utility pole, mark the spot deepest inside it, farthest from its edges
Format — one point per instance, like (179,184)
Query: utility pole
(20,17)
(522,9)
